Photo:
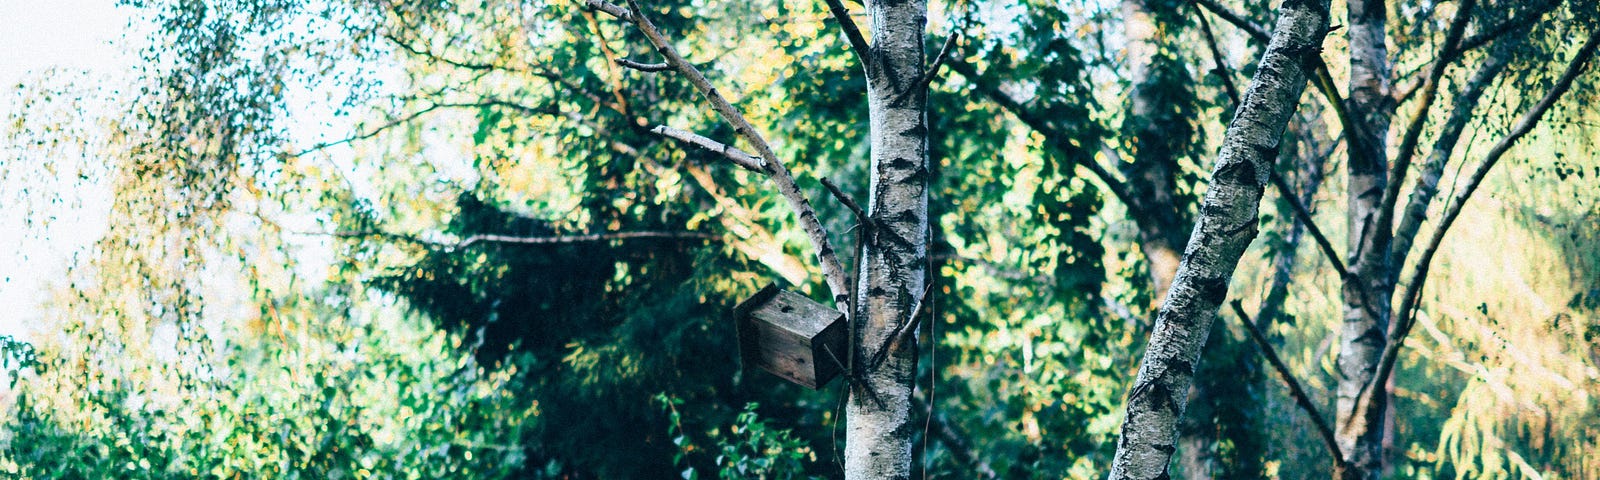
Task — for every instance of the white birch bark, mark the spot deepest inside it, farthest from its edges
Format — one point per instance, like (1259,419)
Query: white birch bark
(893,273)
(1225,227)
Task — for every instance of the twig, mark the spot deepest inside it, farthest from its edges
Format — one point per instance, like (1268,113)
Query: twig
(1490,34)
(1038,123)
(1300,397)
(418,114)
(900,333)
(737,156)
(448,61)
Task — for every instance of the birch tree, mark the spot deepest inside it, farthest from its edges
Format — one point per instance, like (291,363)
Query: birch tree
(1226,225)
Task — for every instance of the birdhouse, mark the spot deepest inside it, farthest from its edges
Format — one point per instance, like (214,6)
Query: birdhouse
(791,336)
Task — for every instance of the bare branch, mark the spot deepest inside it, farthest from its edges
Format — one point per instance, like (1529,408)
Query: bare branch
(610,9)
(938,60)
(1299,393)
(1502,28)
(737,156)
(442,59)
(418,114)
(1216,55)
(852,33)
(1304,215)
(832,273)
(1413,132)
(855,208)
(644,67)
(496,238)
(593,237)
(1444,144)
(1256,31)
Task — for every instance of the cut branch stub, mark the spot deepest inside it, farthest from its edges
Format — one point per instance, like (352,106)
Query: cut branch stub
(791,336)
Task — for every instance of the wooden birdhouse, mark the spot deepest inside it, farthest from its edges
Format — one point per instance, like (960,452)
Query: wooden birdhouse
(792,336)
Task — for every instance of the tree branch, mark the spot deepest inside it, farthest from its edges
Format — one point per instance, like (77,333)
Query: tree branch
(1427,184)
(1301,398)
(1413,132)
(1304,215)
(1502,28)
(737,156)
(497,238)
(832,273)
(1039,124)
(448,61)
(1300,210)
(643,67)
(852,33)
(1322,79)
(1216,55)
(418,114)
(1413,290)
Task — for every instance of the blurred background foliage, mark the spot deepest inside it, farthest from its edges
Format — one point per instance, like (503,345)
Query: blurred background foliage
(267,303)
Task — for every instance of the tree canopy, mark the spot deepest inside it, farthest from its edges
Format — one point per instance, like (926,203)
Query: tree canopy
(445,239)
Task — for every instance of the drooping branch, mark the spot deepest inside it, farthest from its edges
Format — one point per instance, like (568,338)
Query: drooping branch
(1524,125)
(1500,29)
(833,274)
(1419,118)
(1301,398)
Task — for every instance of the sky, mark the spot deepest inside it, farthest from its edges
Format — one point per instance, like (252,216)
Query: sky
(83,36)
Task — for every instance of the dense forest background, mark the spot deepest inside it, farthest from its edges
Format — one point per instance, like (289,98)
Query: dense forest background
(494,264)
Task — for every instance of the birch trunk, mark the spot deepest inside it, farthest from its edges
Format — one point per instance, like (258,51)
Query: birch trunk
(893,272)
(1368,290)
(1225,227)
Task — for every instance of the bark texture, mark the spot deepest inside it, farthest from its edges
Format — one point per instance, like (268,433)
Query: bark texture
(1368,288)
(893,272)
(1225,227)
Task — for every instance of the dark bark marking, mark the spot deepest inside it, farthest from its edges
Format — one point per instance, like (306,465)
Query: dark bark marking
(900,163)
(1212,290)
(1241,172)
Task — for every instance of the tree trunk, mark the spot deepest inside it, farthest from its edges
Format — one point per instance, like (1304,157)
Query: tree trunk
(1156,133)
(1368,290)
(1225,227)
(893,272)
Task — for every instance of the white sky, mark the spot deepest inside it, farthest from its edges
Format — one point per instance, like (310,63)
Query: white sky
(79,35)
